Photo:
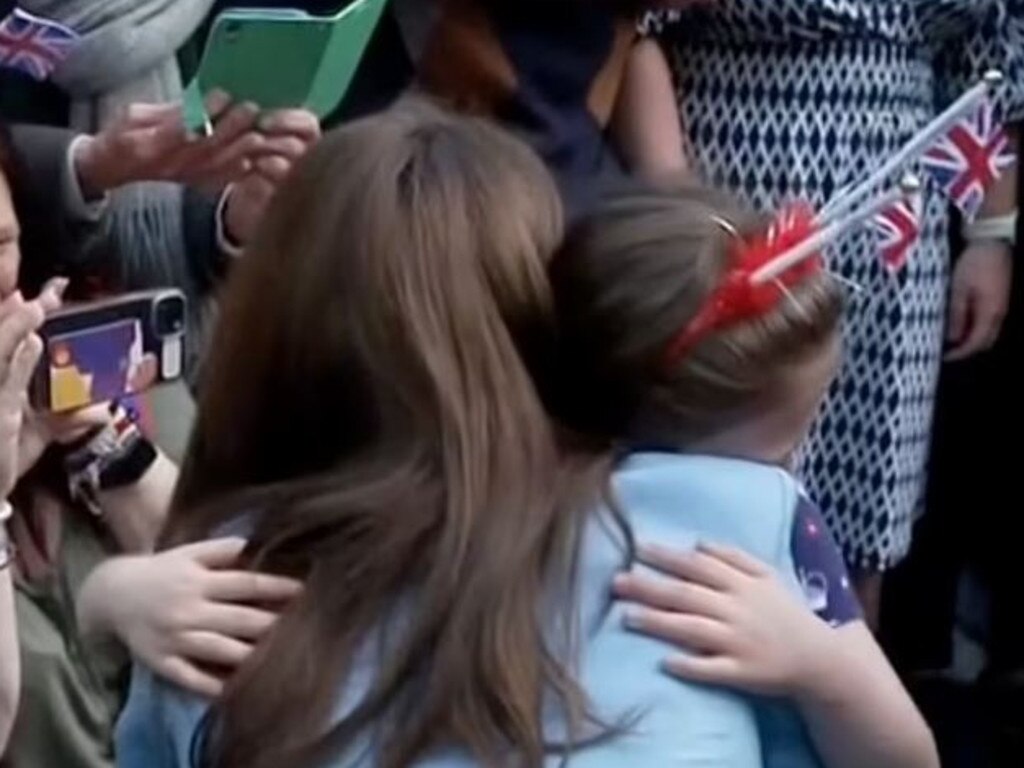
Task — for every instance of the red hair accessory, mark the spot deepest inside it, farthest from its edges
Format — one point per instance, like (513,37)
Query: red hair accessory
(740,296)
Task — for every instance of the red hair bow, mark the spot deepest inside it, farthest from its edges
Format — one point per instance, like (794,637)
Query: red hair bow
(738,297)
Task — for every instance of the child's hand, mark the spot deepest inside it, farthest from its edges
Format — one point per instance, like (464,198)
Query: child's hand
(740,627)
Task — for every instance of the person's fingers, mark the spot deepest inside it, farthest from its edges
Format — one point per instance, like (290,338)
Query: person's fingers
(9,309)
(141,115)
(295,122)
(186,675)
(241,621)
(959,315)
(154,152)
(17,326)
(668,595)
(705,670)
(223,162)
(250,587)
(287,147)
(215,177)
(11,304)
(697,633)
(215,553)
(274,170)
(973,341)
(52,295)
(219,158)
(23,366)
(990,316)
(215,649)
(239,120)
(68,427)
(216,103)
(737,558)
(695,567)
(983,336)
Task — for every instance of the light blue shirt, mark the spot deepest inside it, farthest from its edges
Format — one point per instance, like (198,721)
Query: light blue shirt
(669,499)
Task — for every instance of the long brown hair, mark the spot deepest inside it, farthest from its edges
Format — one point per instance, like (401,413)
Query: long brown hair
(629,278)
(369,407)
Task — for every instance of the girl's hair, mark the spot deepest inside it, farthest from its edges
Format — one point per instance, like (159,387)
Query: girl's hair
(369,412)
(630,278)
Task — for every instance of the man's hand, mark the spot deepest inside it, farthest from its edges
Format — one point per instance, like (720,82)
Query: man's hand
(150,142)
(979,299)
(288,135)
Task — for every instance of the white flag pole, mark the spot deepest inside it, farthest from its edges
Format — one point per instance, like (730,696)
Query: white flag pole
(816,242)
(941,125)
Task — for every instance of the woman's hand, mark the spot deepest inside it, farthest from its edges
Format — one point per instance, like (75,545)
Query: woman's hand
(20,349)
(979,299)
(184,613)
(743,629)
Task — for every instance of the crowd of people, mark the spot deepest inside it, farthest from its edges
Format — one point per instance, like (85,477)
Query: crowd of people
(493,447)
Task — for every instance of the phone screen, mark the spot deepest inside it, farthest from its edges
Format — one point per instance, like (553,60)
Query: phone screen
(97,364)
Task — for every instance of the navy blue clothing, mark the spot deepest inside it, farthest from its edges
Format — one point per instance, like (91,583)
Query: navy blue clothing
(820,567)
(550,72)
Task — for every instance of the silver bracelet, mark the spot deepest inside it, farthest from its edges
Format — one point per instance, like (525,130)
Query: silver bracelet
(1001,229)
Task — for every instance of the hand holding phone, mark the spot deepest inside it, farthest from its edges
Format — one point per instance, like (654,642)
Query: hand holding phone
(282,59)
(102,351)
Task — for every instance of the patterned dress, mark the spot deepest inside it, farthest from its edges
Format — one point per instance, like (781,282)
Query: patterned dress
(798,98)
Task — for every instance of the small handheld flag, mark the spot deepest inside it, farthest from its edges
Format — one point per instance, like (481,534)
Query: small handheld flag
(34,45)
(911,152)
(899,226)
(970,158)
(898,229)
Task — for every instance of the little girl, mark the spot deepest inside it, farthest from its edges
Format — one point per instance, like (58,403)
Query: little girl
(707,382)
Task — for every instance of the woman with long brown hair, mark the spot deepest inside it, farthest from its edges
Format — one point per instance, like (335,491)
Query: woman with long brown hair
(374,423)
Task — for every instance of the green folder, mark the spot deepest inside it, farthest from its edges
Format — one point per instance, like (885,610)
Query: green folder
(282,58)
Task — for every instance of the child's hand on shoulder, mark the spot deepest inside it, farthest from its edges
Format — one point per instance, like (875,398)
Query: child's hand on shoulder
(738,624)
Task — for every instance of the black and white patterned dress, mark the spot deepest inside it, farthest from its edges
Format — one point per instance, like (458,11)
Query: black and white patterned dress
(798,98)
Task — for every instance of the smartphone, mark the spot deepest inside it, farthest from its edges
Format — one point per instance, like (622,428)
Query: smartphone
(282,58)
(105,350)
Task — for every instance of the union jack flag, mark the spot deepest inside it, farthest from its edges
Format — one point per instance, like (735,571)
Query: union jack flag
(33,45)
(898,229)
(969,159)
